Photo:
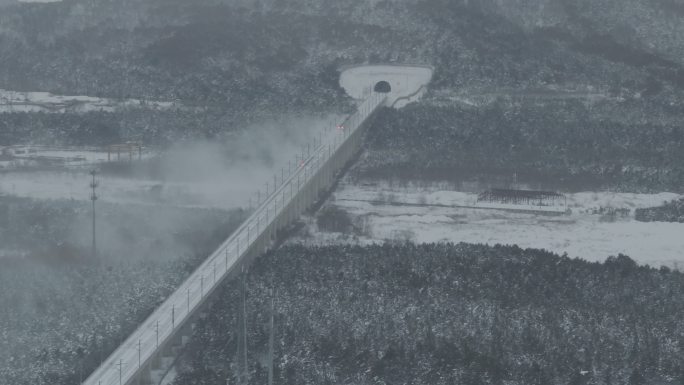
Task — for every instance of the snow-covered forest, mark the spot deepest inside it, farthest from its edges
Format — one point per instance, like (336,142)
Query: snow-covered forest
(554,144)
(447,314)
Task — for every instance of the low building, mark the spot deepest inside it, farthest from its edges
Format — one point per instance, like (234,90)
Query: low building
(523,197)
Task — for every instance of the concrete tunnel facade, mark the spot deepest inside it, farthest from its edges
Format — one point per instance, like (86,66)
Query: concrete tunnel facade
(402,84)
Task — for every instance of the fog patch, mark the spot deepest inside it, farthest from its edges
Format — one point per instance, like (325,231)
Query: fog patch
(229,171)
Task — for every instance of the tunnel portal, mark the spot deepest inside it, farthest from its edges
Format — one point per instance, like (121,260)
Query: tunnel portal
(382,87)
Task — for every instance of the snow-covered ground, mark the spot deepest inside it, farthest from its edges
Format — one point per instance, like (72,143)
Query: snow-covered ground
(382,213)
(407,82)
(13,101)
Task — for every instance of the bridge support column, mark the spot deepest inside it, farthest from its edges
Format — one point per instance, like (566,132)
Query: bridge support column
(155,361)
(144,376)
(291,214)
(185,333)
(263,245)
(272,233)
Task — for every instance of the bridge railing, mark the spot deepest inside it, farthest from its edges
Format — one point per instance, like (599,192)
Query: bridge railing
(144,344)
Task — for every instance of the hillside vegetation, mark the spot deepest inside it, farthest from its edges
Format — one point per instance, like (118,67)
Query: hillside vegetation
(447,314)
(246,59)
(560,144)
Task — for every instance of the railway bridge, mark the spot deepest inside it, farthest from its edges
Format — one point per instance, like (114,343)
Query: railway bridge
(160,335)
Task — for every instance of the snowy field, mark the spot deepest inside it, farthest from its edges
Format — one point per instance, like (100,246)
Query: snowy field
(382,213)
(13,101)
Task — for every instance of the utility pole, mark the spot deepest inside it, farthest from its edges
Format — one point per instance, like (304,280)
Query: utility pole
(93,198)
(241,354)
(120,365)
(244,327)
(270,340)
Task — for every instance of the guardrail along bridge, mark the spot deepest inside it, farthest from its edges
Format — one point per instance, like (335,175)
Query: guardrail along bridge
(135,359)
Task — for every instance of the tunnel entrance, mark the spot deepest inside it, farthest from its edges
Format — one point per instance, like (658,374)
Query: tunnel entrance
(382,87)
